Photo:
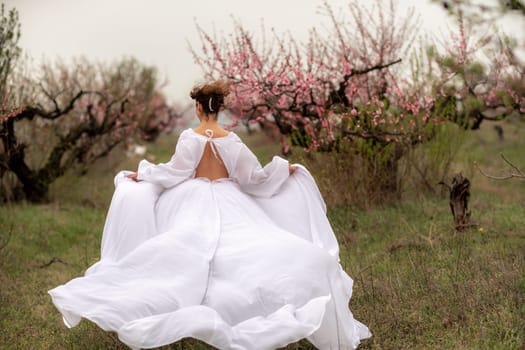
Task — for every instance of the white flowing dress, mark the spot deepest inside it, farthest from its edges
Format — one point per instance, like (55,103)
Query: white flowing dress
(245,262)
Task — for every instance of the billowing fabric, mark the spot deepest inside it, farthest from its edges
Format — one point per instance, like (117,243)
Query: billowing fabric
(245,262)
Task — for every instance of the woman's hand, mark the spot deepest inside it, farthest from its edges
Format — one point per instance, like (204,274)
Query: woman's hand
(292,168)
(134,177)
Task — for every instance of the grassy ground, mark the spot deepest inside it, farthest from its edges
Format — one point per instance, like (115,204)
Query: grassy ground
(418,283)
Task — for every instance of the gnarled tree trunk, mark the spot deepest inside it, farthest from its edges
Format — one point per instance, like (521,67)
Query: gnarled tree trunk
(459,196)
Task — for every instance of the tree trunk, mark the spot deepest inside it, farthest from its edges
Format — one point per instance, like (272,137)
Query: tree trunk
(35,187)
(36,192)
(389,183)
(388,175)
(459,196)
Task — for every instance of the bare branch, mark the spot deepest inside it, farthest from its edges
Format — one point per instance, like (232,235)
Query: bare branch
(369,69)
(53,260)
(518,175)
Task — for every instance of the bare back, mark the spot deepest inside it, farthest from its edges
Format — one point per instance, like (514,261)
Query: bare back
(211,165)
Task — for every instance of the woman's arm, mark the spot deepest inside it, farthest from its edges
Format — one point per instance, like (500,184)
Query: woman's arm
(180,167)
(134,176)
(257,180)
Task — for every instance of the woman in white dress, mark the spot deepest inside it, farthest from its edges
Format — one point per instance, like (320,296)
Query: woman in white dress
(211,245)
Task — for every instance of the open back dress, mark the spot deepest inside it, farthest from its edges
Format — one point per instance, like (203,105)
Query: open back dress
(211,245)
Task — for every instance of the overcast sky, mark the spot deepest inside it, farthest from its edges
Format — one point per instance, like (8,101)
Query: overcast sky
(156,31)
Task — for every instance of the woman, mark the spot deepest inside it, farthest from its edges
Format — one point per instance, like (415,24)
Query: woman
(213,246)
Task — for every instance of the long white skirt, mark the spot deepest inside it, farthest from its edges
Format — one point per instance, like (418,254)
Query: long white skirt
(207,261)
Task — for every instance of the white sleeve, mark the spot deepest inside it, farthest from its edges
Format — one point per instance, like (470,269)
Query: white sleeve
(256,180)
(180,167)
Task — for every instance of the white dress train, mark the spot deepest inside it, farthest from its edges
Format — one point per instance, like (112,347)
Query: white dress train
(247,262)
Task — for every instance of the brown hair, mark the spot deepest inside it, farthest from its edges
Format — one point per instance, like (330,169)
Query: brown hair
(211,95)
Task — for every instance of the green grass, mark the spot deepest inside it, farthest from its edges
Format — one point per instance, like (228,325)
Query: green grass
(422,285)
(419,284)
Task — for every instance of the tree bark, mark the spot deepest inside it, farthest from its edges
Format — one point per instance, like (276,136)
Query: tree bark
(459,197)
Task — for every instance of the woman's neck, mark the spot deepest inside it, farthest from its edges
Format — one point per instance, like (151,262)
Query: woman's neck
(211,124)
(208,124)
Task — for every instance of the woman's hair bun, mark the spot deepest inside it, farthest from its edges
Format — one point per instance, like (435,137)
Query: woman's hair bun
(218,88)
(211,95)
